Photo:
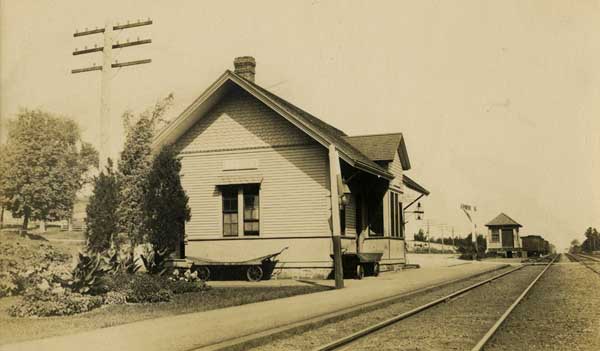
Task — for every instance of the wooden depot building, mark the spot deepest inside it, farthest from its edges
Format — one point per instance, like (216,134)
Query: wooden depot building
(258,172)
(503,237)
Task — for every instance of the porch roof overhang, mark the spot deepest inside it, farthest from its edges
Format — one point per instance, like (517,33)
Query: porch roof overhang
(411,184)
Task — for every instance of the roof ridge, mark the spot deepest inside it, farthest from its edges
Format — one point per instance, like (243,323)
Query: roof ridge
(378,134)
(336,135)
(289,103)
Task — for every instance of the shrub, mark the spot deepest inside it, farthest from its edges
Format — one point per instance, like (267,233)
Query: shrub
(101,220)
(25,263)
(148,288)
(38,303)
(165,202)
(123,265)
(115,298)
(87,275)
(183,286)
(155,261)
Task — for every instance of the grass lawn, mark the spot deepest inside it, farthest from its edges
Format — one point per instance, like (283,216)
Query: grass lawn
(21,329)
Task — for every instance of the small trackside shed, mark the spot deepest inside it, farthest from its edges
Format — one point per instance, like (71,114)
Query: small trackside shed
(258,174)
(503,236)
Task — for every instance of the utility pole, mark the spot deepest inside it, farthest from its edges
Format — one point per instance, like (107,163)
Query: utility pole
(104,120)
(334,172)
(453,245)
(428,239)
(442,239)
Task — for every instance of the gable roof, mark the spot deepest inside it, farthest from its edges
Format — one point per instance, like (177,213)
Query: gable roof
(322,132)
(503,220)
(381,147)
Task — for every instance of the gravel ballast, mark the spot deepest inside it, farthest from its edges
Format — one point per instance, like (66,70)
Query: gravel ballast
(319,335)
(562,312)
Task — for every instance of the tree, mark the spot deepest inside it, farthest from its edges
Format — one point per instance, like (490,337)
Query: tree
(134,167)
(47,161)
(165,202)
(592,240)
(3,199)
(467,248)
(420,236)
(101,220)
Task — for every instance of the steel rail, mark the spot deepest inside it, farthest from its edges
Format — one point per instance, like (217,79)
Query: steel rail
(369,330)
(589,257)
(577,258)
(494,328)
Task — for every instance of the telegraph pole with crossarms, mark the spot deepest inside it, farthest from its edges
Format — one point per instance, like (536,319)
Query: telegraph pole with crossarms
(104,121)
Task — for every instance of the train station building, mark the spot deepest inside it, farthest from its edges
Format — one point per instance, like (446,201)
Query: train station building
(258,173)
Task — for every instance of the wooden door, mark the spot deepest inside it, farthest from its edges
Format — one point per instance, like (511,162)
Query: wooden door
(507,238)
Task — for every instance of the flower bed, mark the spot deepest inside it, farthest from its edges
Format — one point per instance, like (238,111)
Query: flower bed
(43,275)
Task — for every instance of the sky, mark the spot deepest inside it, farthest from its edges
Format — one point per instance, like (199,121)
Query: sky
(498,101)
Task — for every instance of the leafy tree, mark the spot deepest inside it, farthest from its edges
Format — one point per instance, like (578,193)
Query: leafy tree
(134,167)
(420,236)
(101,220)
(592,240)
(165,202)
(467,248)
(47,161)
(3,199)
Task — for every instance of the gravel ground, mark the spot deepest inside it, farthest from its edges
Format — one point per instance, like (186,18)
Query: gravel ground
(562,312)
(309,339)
(456,325)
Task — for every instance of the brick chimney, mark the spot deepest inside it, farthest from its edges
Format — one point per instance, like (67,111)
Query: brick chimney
(245,67)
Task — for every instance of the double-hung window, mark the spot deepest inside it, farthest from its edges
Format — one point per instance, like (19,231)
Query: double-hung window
(495,235)
(241,219)
(251,210)
(396,216)
(230,211)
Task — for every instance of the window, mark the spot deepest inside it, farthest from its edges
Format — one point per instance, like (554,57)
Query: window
(495,235)
(251,210)
(396,216)
(235,221)
(343,220)
(230,212)
(359,215)
(401,221)
(393,212)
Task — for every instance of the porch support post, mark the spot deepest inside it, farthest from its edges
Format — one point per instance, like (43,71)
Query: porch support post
(334,170)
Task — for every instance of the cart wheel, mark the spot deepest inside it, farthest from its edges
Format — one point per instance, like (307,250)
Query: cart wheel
(254,273)
(375,269)
(360,271)
(203,273)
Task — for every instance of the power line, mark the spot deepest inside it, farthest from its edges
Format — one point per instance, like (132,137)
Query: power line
(107,66)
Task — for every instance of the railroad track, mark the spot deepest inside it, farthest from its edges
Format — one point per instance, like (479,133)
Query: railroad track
(347,341)
(584,260)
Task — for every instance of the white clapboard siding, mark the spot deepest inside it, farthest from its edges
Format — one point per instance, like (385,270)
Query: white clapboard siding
(395,167)
(294,193)
(351,216)
(239,121)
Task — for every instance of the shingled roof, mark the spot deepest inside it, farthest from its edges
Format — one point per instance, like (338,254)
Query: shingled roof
(359,151)
(503,220)
(381,147)
(331,132)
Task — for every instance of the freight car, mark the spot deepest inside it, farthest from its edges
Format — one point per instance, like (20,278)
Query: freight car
(535,245)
